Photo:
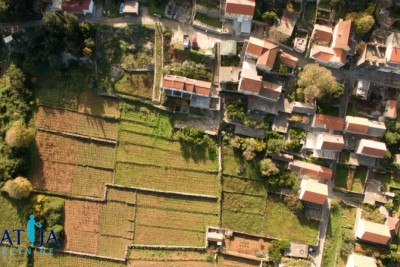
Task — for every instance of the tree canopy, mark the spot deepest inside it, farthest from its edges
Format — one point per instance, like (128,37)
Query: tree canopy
(18,188)
(19,135)
(270,17)
(363,22)
(317,82)
(268,168)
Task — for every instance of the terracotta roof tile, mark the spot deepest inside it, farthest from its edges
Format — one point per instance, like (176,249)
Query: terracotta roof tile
(311,170)
(313,192)
(242,7)
(373,232)
(328,122)
(75,6)
(185,84)
(322,33)
(343,33)
(332,142)
(395,55)
(289,60)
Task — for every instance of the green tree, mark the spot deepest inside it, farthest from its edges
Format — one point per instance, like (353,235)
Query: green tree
(363,22)
(278,247)
(19,135)
(18,188)
(276,146)
(268,168)
(391,138)
(318,83)
(270,17)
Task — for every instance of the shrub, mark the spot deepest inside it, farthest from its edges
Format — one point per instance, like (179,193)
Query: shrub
(19,135)
(18,188)
(268,168)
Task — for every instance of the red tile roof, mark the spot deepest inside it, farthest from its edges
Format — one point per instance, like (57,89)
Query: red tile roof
(242,7)
(289,60)
(395,55)
(250,85)
(332,142)
(393,224)
(75,6)
(311,170)
(373,232)
(185,84)
(391,109)
(322,33)
(313,192)
(343,33)
(328,54)
(264,50)
(328,122)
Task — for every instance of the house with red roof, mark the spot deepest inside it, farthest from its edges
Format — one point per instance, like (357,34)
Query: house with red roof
(331,47)
(288,60)
(371,148)
(324,145)
(313,192)
(78,6)
(252,84)
(326,122)
(197,92)
(393,50)
(393,223)
(310,170)
(262,52)
(373,232)
(241,12)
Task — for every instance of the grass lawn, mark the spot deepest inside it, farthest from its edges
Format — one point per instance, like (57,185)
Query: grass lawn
(341,217)
(278,219)
(233,161)
(13,217)
(203,18)
(359,179)
(60,88)
(136,84)
(93,104)
(387,179)
(342,172)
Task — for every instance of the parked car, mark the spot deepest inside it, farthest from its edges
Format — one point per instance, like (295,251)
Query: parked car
(195,45)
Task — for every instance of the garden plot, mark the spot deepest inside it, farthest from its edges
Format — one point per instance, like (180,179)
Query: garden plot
(77,123)
(69,260)
(121,53)
(166,220)
(149,254)
(165,178)
(91,103)
(61,149)
(70,179)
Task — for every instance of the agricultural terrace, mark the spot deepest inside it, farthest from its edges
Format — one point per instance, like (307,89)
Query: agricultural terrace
(246,208)
(70,260)
(72,166)
(125,60)
(148,156)
(50,91)
(73,122)
(173,220)
(93,104)
(232,261)
(101,224)
(170,258)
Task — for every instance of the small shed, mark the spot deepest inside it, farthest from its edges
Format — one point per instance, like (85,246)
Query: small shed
(297,251)
(215,237)
(131,7)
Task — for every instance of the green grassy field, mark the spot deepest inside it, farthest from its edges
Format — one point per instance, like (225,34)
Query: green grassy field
(136,84)
(168,220)
(50,91)
(13,217)
(68,260)
(278,219)
(341,217)
(164,178)
(233,161)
